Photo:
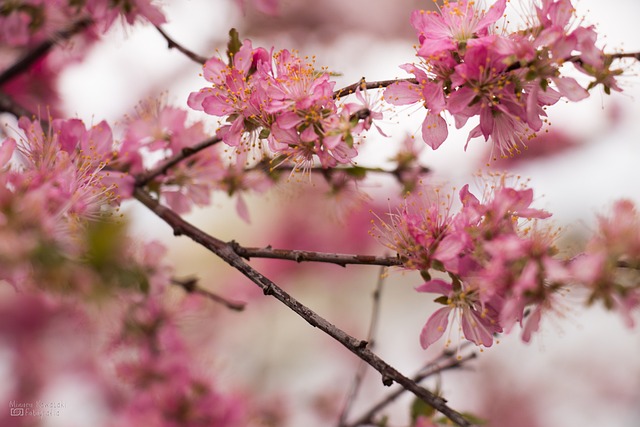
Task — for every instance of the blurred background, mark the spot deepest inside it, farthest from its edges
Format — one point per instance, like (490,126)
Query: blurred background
(580,370)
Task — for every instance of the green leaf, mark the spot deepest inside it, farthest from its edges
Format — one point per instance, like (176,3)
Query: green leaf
(384,421)
(425,275)
(104,243)
(474,419)
(356,172)
(264,133)
(437,265)
(234,45)
(349,140)
(444,300)
(531,75)
(420,408)
(544,84)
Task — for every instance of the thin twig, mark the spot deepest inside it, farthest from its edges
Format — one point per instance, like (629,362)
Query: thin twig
(623,55)
(312,256)
(362,366)
(348,90)
(353,170)
(40,50)
(358,347)
(175,45)
(191,286)
(432,369)
(167,164)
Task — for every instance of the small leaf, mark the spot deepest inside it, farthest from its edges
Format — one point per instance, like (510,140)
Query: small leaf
(356,172)
(349,140)
(234,45)
(264,133)
(384,421)
(544,84)
(474,419)
(444,300)
(420,408)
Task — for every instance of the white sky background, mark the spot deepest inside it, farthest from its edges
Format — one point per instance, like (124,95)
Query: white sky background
(562,362)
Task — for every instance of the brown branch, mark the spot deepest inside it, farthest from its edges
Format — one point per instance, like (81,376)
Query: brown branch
(349,169)
(358,347)
(191,286)
(354,171)
(348,90)
(167,164)
(312,256)
(175,45)
(628,55)
(433,369)
(361,369)
(42,49)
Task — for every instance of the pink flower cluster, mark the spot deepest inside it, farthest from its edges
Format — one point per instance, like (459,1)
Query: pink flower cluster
(468,69)
(160,132)
(58,190)
(282,98)
(163,387)
(25,22)
(143,374)
(610,266)
(497,262)
(64,171)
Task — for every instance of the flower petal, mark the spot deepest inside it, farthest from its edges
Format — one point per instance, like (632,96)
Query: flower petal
(434,130)
(435,327)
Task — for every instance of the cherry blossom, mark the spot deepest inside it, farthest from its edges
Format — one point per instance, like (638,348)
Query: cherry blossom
(469,69)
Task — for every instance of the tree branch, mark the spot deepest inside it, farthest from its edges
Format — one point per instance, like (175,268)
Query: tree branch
(40,50)
(167,164)
(354,170)
(433,369)
(622,55)
(361,369)
(312,256)
(191,286)
(358,347)
(175,45)
(348,90)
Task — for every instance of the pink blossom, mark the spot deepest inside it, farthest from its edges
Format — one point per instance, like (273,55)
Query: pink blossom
(233,92)
(498,262)
(608,268)
(237,180)
(407,157)
(455,23)
(70,161)
(282,98)
(424,232)
(104,12)
(165,129)
(478,321)
(434,127)
(15,28)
